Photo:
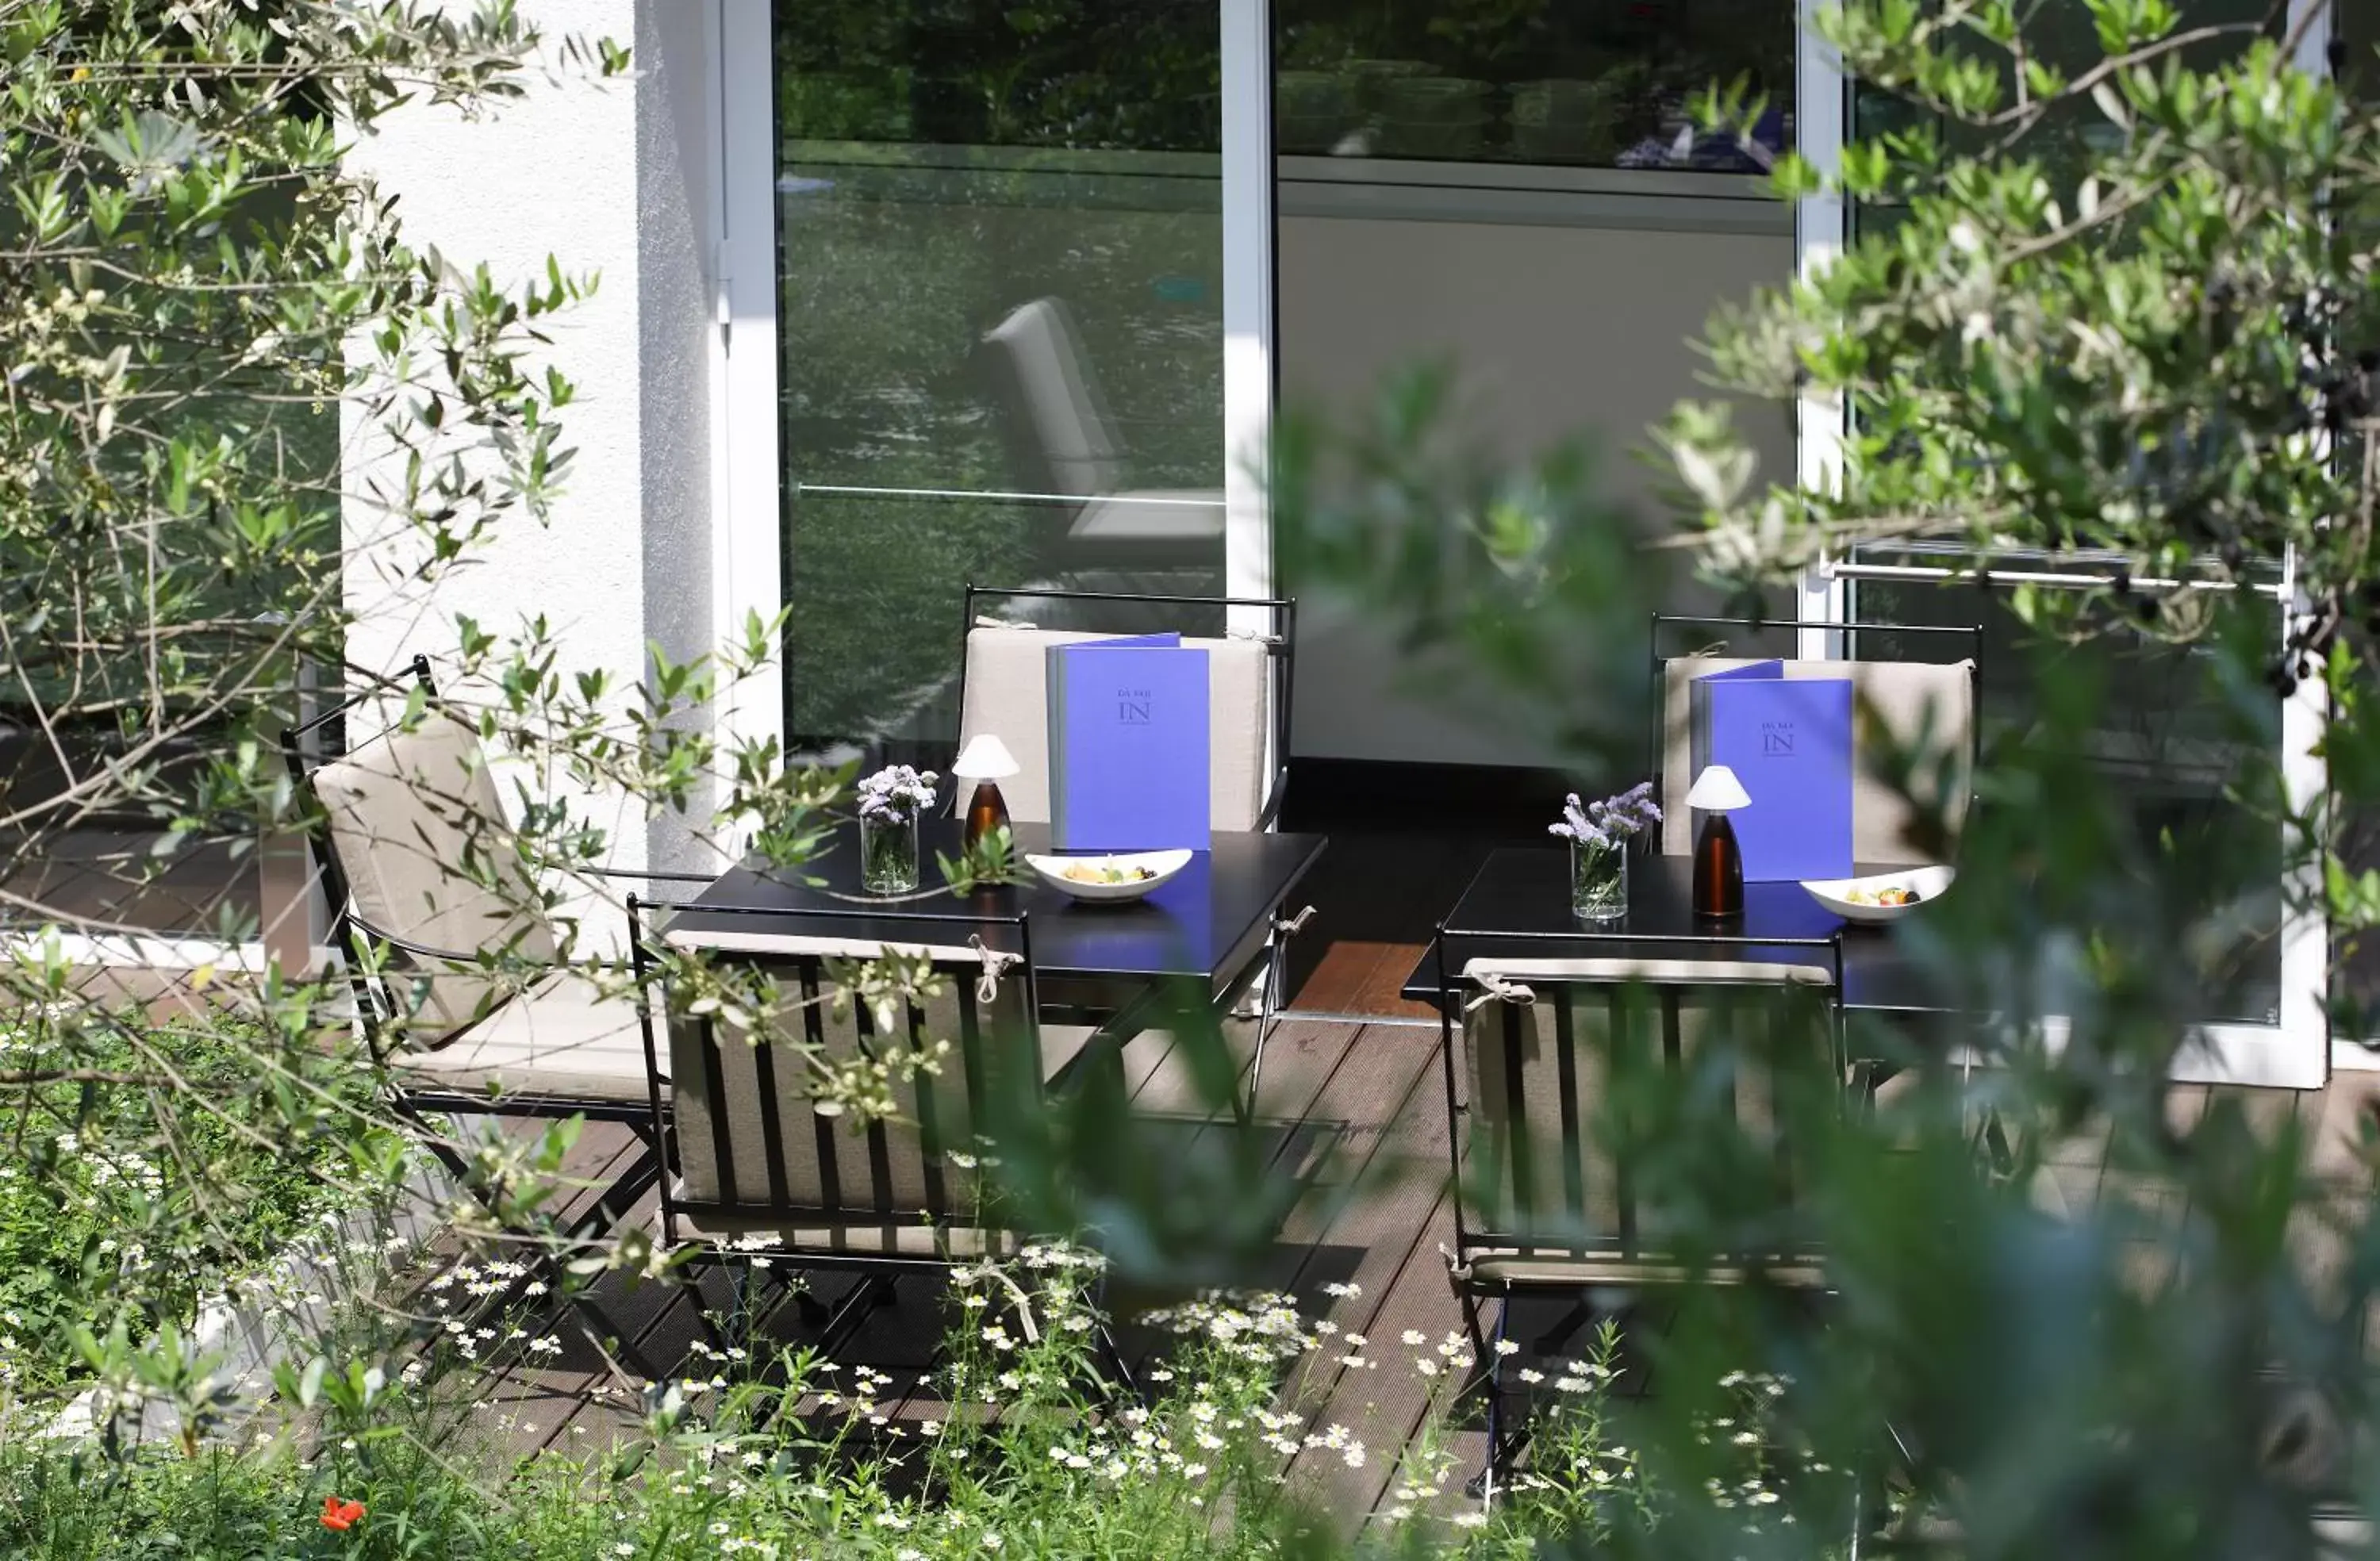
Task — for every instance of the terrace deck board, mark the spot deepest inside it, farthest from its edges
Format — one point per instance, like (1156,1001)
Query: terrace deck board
(1375,1092)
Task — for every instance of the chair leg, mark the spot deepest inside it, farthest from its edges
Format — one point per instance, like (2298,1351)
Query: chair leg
(626,1366)
(1272,995)
(1113,1364)
(1500,1452)
(840,1325)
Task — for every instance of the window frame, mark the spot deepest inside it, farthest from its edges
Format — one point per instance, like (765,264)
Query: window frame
(752,486)
(2299,1051)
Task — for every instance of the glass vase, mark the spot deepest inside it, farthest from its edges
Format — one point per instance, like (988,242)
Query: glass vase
(888,855)
(1598,882)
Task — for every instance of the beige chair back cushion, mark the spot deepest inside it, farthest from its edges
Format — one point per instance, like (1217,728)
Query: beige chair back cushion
(1544,1163)
(1008,696)
(414,818)
(749,1138)
(1896,695)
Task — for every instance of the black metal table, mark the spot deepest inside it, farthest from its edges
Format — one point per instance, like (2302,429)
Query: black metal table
(1525,891)
(1207,924)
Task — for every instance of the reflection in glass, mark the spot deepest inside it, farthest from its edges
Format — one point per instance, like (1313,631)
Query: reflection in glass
(1000,327)
(2062,34)
(2164,738)
(1528,80)
(2355,50)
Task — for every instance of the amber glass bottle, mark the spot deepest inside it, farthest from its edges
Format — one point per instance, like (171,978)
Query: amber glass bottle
(987,811)
(1719,870)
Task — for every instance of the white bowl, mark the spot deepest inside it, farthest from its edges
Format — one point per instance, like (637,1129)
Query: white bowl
(1834,893)
(1161,866)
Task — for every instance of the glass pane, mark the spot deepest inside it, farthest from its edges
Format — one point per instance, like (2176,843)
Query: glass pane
(2163,745)
(2355,32)
(1526,81)
(2060,33)
(1001,273)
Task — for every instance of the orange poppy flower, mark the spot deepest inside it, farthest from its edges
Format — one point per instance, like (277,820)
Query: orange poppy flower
(340,1516)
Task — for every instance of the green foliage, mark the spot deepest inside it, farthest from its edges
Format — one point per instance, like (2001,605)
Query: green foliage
(989,863)
(113,1212)
(2107,319)
(1035,1455)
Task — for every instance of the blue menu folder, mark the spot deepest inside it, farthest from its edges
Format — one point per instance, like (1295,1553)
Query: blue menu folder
(1128,734)
(1788,740)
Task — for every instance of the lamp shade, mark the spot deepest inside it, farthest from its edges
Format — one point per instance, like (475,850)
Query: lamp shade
(986,759)
(1717,789)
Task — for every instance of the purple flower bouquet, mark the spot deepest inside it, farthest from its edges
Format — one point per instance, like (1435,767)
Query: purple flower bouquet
(891,801)
(1599,835)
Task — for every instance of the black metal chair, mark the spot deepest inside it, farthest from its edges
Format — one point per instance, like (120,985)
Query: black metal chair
(1901,693)
(755,1167)
(1003,691)
(1567,1081)
(456,975)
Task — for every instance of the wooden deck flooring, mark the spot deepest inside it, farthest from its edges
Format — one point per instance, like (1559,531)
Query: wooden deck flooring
(1375,1089)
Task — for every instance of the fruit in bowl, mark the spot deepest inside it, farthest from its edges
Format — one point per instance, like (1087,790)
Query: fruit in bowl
(1880,897)
(1107,872)
(1121,876)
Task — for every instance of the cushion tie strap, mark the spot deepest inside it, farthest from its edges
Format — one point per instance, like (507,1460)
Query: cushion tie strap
(1498,988)
(987,987)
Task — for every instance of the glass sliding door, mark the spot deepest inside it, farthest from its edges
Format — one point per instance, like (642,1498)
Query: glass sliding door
(1516,191)
(1000,328)
(2161,737)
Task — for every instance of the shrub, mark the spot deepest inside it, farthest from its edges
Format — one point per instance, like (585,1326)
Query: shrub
(111,1210)
(1027,1449)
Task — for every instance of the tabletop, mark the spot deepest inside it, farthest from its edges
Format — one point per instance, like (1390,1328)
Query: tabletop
(1527,890)
(1207,921)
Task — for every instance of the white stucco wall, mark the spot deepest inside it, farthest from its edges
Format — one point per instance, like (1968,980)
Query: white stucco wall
(610,177)
(676,144)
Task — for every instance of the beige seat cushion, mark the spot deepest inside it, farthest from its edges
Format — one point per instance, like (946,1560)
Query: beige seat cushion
(562,1038)
(1673,973)
(1007,696)
(1517,1265)
(419,830)
(949,1243)
(1184,523)
(1060,1044)
(1895,696)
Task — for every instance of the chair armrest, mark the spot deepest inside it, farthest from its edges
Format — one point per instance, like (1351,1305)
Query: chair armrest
(476,961)
(358,926)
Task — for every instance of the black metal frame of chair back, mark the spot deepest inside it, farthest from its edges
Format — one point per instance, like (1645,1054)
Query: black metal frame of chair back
(346,931)
(1973,633)
(1280,651)
(1498,1204)
(897,1180)
(333,879)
